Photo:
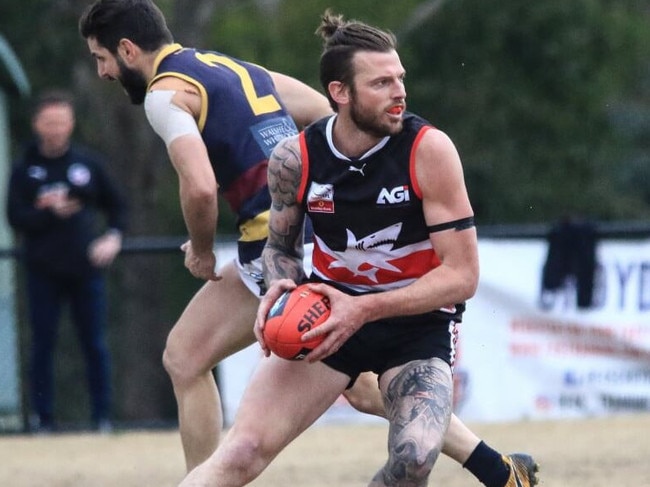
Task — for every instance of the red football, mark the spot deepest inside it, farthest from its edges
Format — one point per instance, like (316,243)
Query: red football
(292,315)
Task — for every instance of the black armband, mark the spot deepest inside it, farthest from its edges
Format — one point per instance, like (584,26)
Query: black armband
(458,225)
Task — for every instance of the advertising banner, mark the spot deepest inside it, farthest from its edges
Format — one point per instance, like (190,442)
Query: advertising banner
(529,353)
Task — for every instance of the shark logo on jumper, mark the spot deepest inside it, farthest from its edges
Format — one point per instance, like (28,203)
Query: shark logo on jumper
(399,194)
(268,133)
(320,198)
(367,255)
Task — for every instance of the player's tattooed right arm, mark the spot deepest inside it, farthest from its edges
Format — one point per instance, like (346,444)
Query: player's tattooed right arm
(283,254)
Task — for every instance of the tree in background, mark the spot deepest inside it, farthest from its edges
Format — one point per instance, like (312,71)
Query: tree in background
(530,93)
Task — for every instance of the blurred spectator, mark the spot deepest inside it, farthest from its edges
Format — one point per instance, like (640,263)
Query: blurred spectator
(57,195)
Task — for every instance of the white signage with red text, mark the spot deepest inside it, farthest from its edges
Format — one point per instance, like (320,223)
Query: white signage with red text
(521,360)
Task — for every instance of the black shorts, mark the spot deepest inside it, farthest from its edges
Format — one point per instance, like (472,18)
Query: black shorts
(384,344)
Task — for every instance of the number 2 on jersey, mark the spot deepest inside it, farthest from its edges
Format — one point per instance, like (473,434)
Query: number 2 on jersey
(259,104)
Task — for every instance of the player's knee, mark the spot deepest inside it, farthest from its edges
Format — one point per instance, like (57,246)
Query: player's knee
(181,367)
(413,464)
(243,456)
(170,363)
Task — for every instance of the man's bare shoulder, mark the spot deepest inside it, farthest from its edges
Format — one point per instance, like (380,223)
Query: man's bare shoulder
(436,146)
(437,163)
(436,140)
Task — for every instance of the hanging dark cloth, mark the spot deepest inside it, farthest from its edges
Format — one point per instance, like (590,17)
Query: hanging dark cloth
(571,252)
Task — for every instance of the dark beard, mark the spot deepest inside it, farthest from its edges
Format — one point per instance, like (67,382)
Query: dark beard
(133,83)
(369,122)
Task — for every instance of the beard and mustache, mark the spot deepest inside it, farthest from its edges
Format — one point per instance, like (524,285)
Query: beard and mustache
(370,120)
(133,82)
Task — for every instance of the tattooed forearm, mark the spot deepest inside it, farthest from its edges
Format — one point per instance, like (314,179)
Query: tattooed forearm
(286,230)
(277,264)
(283,254)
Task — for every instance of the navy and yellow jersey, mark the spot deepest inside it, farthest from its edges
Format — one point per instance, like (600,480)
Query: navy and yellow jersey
(241,121)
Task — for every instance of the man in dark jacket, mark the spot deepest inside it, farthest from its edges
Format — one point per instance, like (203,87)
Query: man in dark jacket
(56,194)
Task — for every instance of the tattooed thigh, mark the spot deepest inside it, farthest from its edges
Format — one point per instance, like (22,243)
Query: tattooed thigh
(418,403)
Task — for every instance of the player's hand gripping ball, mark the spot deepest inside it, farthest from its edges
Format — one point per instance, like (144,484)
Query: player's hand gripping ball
(293,314)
